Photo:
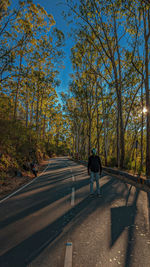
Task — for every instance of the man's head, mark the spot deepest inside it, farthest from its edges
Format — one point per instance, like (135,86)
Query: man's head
(94,151)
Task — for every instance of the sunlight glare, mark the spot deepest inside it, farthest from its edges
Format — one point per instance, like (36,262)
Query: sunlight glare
(144,110)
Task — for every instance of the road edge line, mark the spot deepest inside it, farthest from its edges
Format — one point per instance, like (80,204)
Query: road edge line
(12,194)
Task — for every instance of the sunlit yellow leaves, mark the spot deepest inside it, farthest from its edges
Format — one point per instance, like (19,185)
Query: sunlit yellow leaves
(13,54)
(3,42)
(7,34)
(131,31)
(51,20)
(22,3)
(33,41)
(19,15)
(89,14)
(4,4)
(42,10)
(20,52)
(40,20)
(20,21)
(33,8)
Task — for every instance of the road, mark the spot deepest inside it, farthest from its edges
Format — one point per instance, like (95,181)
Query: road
(38,221)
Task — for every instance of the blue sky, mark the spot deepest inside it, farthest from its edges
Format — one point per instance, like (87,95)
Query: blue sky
(56,7)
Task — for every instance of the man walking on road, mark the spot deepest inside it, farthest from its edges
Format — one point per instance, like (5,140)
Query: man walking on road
(94,170)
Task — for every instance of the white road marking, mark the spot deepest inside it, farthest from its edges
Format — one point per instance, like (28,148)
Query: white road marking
(73,178)
(73,189)
(73,196)
(68,255)
(12,194)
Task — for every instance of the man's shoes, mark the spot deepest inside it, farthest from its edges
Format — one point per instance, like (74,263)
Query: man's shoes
(98,195)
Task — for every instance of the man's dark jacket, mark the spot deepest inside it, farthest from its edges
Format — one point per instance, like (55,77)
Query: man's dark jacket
(94,164)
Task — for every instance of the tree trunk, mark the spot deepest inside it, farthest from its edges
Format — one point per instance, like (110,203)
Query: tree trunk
(44,124)
(121,135)
(105,130)
(118,140)
(17,89)
(27,106)
(74,148)
(40,113)
(89,135)
(37,109)
(98,145)
(146,18)
(77,141)
(31,111)
(142,125)
(97,117)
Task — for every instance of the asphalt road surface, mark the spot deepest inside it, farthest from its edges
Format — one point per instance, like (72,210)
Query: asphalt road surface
(56,209)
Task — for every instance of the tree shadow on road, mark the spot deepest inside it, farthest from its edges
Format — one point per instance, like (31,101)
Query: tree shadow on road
(121,218)
(29,249)
(41,199)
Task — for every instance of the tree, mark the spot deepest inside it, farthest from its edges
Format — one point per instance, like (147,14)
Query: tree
(106,27)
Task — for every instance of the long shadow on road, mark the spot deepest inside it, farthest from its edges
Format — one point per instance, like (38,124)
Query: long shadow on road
(48,179)
(122,217)
(43,199)
(25,252)
(29,249)
(130,244)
